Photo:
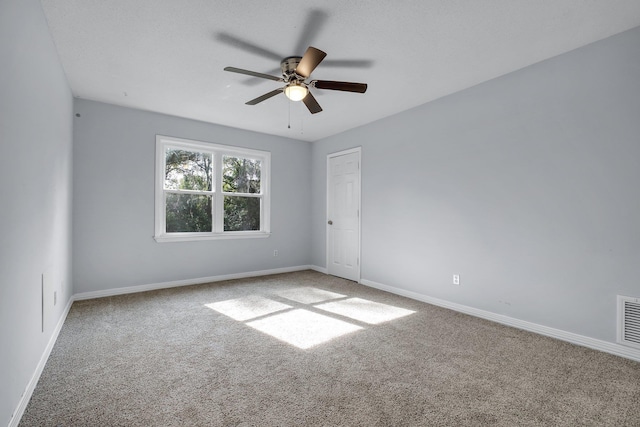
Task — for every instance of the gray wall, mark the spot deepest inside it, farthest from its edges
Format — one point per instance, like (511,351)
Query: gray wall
(114,160)
(528,186)
(35,192)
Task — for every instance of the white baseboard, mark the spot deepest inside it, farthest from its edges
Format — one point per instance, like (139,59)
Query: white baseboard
(596,344)
(31,386)
(319,269)
(187,282)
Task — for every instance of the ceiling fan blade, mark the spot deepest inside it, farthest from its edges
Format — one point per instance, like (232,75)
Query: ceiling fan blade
(247,46)
(343,86)
(252,81)
(264,97)
(312,57)
(312,104)
(253,73)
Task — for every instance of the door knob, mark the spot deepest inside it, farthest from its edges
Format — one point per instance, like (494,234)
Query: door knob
(330,222)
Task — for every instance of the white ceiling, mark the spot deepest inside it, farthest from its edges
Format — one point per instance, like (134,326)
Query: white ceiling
(168,56)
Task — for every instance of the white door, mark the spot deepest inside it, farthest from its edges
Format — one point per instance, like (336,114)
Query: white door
(343,214)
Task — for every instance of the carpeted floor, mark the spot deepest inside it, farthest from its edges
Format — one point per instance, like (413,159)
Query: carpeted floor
(306,349)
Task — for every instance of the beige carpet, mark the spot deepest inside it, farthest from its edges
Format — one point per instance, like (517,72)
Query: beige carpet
(306,349)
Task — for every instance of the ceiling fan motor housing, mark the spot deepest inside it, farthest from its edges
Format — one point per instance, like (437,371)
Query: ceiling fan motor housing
(288,67)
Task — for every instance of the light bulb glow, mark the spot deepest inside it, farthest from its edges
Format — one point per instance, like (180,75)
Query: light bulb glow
(296,91)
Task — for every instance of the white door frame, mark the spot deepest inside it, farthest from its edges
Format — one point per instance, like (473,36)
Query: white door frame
(357,150)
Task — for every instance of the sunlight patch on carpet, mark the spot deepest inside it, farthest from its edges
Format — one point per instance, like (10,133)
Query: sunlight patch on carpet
(364,310)
(302,328)
(308,295)
(248,307)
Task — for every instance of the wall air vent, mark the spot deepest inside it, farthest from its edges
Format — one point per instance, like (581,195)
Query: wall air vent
(629,321)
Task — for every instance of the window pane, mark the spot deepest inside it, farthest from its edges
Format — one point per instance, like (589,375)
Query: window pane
(188,170)
(241,213)
(241,175)
(188,213)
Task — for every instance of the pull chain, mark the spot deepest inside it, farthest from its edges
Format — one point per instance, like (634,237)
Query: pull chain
(289,124)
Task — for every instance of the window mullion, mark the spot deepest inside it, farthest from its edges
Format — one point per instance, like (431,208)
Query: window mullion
(192,192)
(218,198)
(227,193)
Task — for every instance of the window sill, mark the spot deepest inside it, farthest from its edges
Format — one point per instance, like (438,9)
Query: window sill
(192,237)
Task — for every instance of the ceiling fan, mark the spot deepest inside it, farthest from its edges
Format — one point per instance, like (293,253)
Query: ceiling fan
(295,72)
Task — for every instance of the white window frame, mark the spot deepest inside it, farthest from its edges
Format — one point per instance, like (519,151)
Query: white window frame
(217,151)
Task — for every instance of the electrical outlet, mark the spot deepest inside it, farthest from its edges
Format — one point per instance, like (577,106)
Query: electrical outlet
(456,279)
(275,252)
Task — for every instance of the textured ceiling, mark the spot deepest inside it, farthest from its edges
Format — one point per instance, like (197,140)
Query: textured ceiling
(168,56)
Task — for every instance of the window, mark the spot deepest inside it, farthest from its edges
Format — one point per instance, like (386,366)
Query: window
(208,191)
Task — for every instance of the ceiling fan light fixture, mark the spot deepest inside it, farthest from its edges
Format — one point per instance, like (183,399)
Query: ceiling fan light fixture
(296,91)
